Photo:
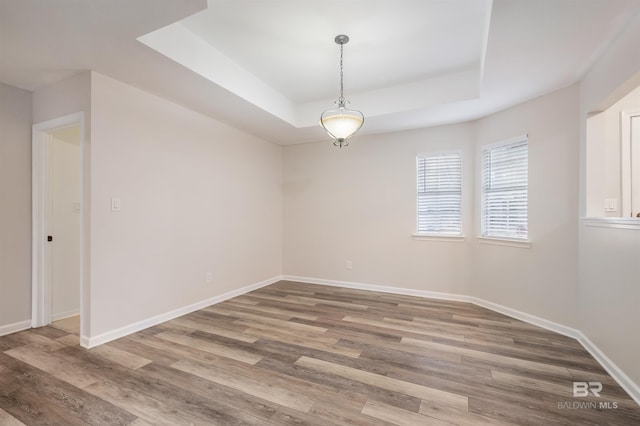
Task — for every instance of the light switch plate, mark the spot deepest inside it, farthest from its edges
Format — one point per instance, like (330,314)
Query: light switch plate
(610,204)
(116,204)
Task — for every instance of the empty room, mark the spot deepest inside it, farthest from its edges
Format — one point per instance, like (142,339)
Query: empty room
(319,212)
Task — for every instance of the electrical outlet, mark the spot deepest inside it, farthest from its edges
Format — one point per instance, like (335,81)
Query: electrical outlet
(349,264)
(209,277)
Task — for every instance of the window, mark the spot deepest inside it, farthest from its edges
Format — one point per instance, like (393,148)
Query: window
(440,193)
(505,189)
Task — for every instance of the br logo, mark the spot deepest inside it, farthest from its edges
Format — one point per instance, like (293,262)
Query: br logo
(582,389)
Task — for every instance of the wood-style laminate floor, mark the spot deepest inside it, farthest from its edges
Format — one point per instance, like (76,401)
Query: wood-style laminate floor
(294,353)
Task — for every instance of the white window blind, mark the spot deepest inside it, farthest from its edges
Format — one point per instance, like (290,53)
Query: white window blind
(505,189)
(440,193)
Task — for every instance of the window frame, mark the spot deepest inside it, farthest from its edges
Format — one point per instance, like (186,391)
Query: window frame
(439,236)
(503,240)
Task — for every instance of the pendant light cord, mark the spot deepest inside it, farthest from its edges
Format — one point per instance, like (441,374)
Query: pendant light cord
(341,100)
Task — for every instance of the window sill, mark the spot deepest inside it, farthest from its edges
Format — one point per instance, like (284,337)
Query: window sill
(612,222)
(507,242)
(439,237)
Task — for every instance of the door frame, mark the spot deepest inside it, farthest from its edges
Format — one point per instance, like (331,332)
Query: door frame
(41,217)
(626,171)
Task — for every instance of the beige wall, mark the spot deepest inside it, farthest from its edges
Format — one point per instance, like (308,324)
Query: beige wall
(541,280)
(359,204)
(197,196)
(609,262)
(15,210)
(66,97)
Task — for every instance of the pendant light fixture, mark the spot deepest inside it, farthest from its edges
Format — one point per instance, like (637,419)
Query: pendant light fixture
(341,123)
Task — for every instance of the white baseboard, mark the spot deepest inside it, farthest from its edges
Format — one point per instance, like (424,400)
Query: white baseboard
(15,327)
(618,375)
(90,342)
(65,315)
(85,341)
(528,318)
(614,371)
(382,289)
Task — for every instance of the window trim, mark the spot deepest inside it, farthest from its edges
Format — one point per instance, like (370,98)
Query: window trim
(436,236)
(440,237)
(504,241)
(491,239)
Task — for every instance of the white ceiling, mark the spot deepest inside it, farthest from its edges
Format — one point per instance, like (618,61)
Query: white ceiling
(271,67)
(296,54)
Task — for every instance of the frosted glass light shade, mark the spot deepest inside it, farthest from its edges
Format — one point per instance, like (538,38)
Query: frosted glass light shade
(341,124)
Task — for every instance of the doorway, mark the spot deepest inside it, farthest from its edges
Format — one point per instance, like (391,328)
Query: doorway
(58,225)
(65,197)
